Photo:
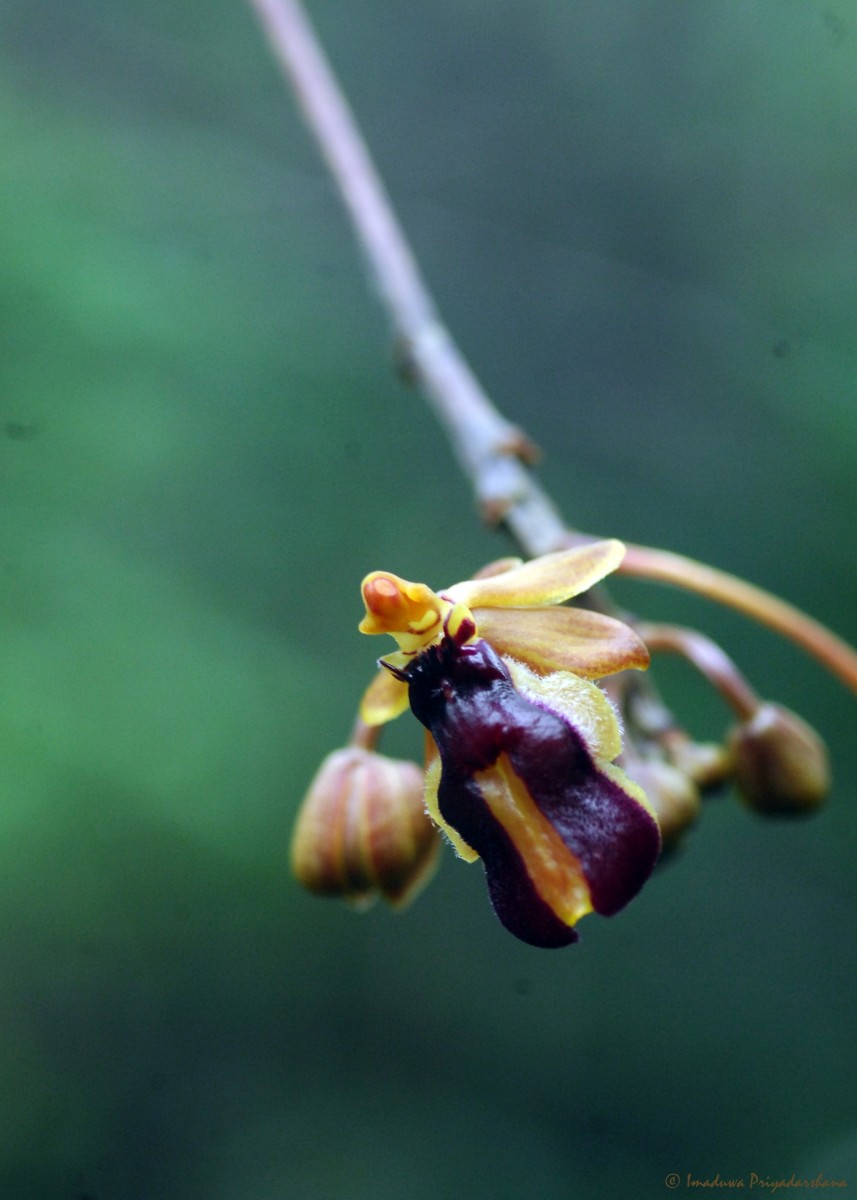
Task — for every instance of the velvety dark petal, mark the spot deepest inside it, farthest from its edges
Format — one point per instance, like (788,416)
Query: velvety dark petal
(513,895)
(615,838)
(466,698)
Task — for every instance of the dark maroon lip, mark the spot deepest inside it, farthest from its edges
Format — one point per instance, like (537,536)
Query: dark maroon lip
(464,695)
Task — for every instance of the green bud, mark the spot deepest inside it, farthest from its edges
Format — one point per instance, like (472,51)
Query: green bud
(779,762)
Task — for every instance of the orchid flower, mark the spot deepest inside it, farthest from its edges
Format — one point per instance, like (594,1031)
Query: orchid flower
(520,743)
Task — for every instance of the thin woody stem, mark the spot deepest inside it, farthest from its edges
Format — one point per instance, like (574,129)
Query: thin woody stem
(489,448)
(643,562)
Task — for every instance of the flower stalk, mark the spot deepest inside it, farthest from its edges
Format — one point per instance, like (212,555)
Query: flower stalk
(663,566)
(710,660)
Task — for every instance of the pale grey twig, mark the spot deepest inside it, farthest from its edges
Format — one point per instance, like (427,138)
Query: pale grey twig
(491,450)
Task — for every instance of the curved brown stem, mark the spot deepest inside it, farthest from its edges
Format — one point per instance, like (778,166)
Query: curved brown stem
(708,658)
(643,562)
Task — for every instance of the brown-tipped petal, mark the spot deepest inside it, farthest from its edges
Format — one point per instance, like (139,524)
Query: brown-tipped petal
(363,830)
(779,762)
(563,639)
(546,580)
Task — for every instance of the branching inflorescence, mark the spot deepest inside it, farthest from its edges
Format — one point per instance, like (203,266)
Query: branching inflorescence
(525,767)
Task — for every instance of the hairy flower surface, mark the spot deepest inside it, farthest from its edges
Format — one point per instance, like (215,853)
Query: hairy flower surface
(520,742)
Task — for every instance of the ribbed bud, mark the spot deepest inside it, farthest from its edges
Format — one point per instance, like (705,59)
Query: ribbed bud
(779,762)
(363,830)
(674,797)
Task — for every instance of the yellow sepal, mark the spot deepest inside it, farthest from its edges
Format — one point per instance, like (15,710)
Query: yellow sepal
(385,699)
(546,580)
(563,639)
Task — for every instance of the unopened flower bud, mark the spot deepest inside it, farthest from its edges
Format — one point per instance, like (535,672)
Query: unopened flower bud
(673,796)
(363,830)
(779,762)
(707,764)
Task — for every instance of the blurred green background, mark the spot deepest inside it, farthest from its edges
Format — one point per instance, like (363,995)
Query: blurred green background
(638,219)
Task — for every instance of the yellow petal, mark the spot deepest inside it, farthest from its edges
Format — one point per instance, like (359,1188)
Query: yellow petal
(563,639)
(385,699)
(546,580)
(581,702)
